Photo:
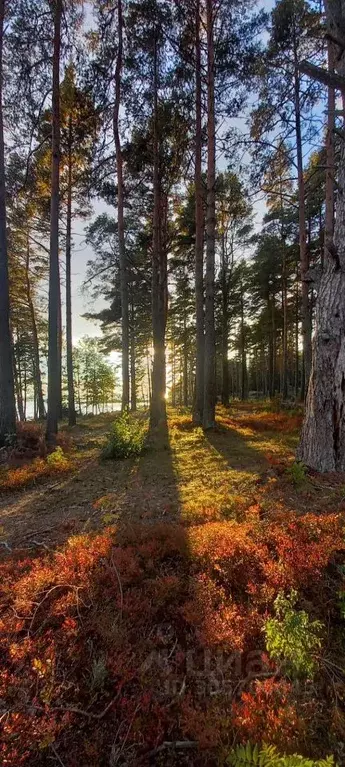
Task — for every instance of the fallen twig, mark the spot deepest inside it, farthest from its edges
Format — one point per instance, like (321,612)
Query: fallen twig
(56,755)
(81,711)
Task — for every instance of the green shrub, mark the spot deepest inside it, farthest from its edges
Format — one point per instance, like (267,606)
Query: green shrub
(292,638)
(268,756)
(127,437)
(57,459)
(297,473)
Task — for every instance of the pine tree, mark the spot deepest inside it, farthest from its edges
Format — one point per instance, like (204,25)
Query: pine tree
(7,400)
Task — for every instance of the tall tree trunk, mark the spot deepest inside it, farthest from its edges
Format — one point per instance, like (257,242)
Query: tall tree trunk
(7,398)
(243,353)
(36,351)
(159,270)
(210,345)
(18,389)
(54,366)
(132,356)
(304,256)
(120,217)
(225,326)
(284,301)
(297,339)
(322,445)
(271,352)
(199,233)
(149,376)
(69,347)
(285,331)
(185,362)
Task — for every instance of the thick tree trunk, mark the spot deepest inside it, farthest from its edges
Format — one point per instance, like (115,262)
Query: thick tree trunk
(210,345)
(7,398)
(69,345)
(322,445)
(159,271)
(304,256)
(199,233)
(36,351)
(120,218)
(54,367)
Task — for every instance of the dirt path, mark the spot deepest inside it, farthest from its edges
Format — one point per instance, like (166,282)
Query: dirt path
(52,509)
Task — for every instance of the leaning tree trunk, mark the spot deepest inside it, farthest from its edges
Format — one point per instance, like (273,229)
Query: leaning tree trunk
(7,398)
(120,218)
(199,233)
(69,347)
(210,341)
(322,445)
(54,366)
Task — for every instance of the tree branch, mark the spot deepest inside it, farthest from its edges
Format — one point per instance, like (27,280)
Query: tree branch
(331,79)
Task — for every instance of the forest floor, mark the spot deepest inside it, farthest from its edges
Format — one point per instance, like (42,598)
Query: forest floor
(139,598)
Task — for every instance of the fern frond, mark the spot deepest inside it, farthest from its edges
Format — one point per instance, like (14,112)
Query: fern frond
(268,756)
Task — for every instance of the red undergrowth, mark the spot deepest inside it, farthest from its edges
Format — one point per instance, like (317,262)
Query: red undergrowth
(122,640)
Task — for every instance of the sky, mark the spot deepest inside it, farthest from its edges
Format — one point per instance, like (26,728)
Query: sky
(82,253)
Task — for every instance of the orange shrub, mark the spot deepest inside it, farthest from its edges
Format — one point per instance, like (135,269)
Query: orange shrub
(268,712)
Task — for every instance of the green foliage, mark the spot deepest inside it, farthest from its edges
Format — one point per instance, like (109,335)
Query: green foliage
(57,459)
(268,756)
(297,473)
(127,437)
(292,638)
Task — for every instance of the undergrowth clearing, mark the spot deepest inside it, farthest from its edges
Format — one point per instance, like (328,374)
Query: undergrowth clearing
(142,637)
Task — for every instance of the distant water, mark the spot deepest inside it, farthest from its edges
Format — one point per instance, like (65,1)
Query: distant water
(110,408)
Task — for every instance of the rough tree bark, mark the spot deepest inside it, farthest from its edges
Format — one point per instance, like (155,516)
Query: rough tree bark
(322,445)
(69,348)
(7,398)
(159,270)
(304,257)
(199,233)
(210,346)
(120,217)
(54,366)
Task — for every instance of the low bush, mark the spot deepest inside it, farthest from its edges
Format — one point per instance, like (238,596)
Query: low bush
(297,473)
(127,438)
(57,459)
